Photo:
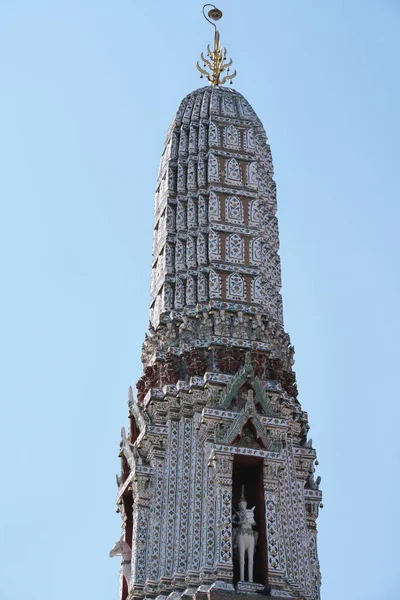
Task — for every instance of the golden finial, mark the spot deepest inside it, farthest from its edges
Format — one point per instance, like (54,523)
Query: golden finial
(216,64)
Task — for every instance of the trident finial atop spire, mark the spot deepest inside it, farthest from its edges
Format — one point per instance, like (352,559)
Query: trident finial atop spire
(216,64)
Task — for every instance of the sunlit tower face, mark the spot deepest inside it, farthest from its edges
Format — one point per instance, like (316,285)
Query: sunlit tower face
(217,491)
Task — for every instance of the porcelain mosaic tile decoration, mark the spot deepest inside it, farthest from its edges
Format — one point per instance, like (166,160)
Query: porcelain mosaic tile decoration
(218,392)
(221,217)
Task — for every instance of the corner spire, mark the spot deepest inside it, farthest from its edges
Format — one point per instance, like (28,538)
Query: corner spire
(216,57)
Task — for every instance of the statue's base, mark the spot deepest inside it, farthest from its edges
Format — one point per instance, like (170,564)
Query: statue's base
(249,588)
(244,590)
(222,590)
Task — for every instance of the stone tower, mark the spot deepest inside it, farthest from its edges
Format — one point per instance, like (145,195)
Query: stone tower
(216,413)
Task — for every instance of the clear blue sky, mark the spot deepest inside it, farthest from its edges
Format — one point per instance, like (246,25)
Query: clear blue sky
(88,88)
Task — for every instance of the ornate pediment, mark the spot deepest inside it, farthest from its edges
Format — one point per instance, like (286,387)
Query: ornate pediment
(246,375)
(247,430)
(248,438)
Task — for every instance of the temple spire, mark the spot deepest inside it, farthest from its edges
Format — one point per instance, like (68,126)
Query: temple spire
(217,442)
(216,61)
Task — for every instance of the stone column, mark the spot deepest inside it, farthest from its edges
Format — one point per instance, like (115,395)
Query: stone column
(302,463)
(154,544)
(312,500)
(184,506)
(208,523)
(223,464)
(141,509)
(275,553)
(198,508)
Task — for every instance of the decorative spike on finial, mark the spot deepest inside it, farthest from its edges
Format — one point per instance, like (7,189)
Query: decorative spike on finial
(217,63)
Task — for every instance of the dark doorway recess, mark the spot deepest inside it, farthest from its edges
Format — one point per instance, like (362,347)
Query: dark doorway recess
(248,471)
(124,589)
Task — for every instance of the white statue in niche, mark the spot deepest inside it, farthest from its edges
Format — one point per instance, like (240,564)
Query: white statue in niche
(206,326)
(187,329)
(240,326)
(121,548)
(170,332)
(222,323)
(244,537)
(258,328)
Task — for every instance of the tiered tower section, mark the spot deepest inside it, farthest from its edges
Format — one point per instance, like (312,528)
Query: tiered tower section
(216,234)
(216,407)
